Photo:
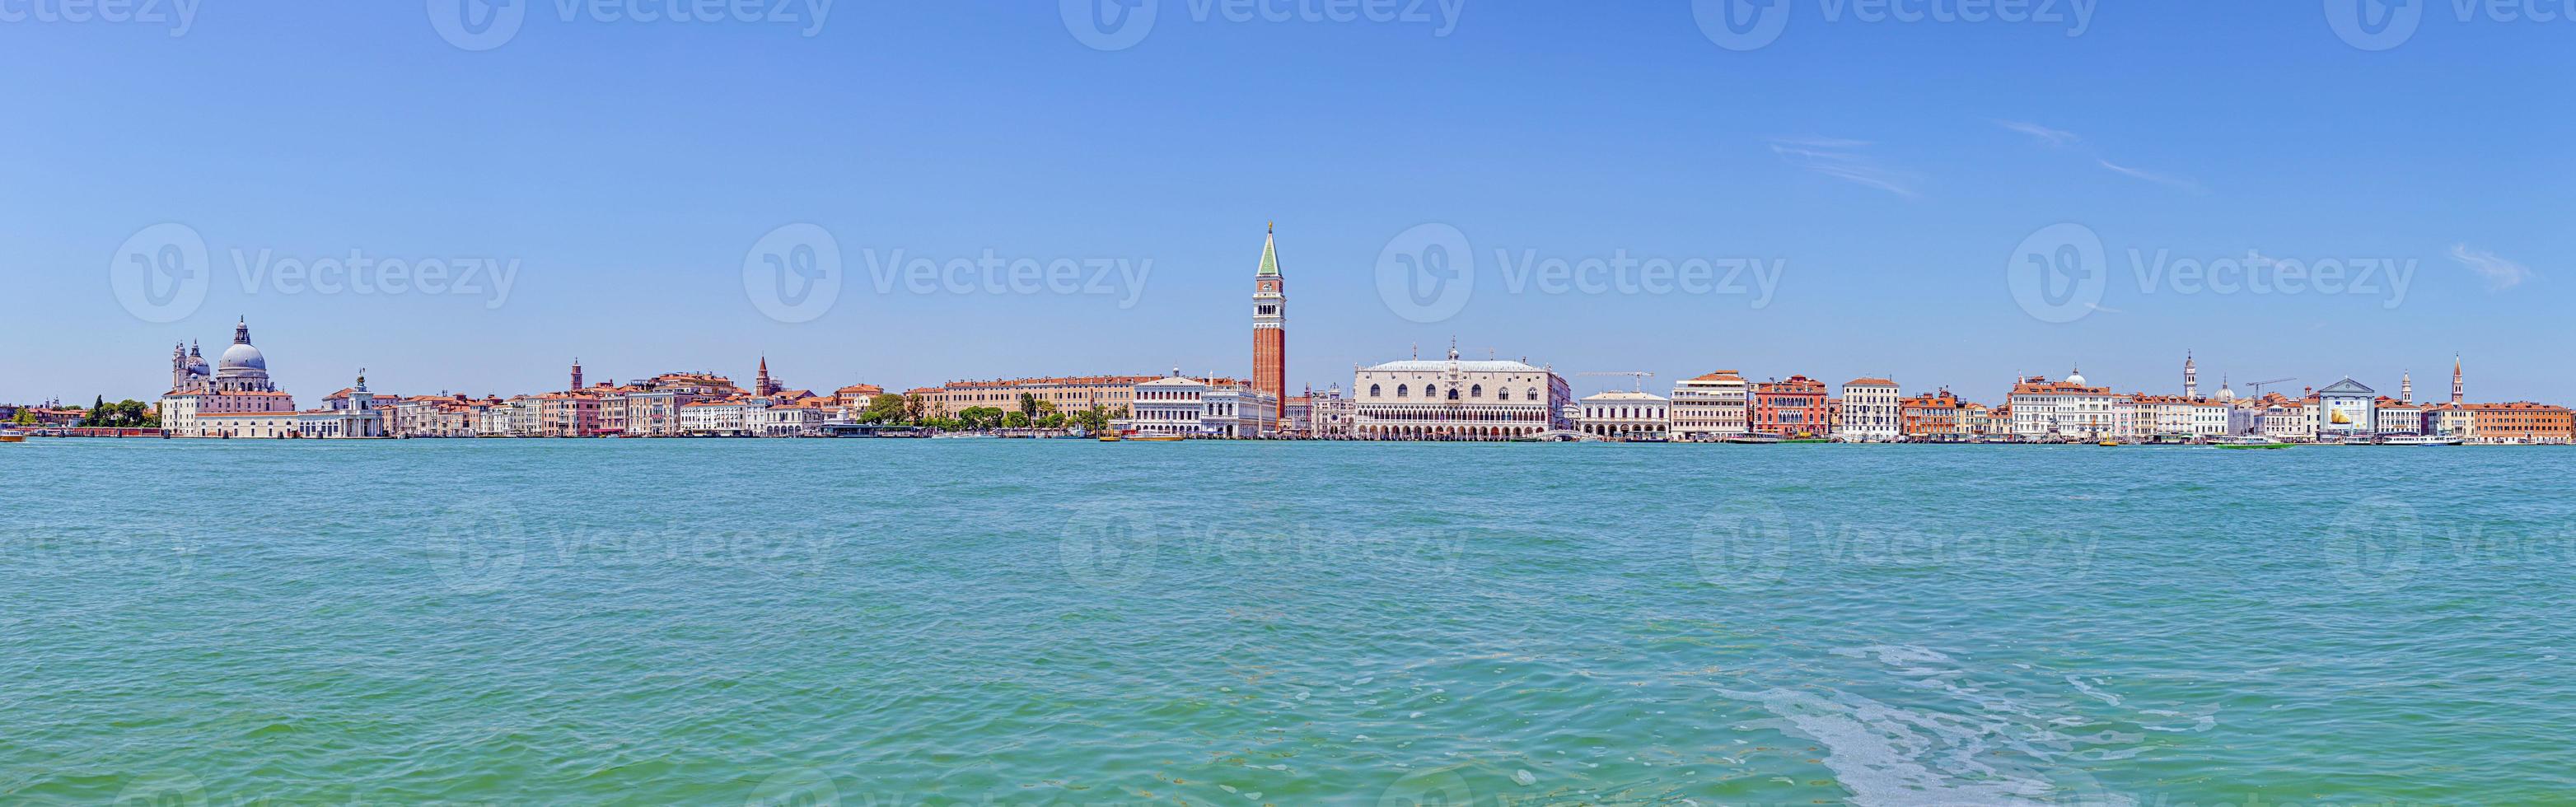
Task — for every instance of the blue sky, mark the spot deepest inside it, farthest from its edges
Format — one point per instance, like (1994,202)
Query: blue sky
(1890,171)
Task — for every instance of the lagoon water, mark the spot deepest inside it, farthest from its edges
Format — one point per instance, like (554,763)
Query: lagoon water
(877,622)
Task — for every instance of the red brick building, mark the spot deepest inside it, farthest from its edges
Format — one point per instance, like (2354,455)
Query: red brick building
(1793,408)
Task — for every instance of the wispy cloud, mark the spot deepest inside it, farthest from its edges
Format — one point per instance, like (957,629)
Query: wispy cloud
(2053,137)
(1847,160)
(2151,176)
(2060,138)
(2499,273)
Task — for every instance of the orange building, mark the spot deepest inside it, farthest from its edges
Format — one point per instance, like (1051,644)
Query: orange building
(1797,407)
(2521,422)
(1936,416)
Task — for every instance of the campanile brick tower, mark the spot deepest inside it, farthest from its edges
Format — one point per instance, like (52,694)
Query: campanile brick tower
(1270,327)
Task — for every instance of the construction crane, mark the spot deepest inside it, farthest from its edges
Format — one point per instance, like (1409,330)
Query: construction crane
(2259,385)
(1640,377)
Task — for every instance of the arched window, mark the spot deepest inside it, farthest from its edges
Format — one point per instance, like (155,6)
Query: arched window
(1477,391)
(1399,390)
(1373,391)
(1453,393)
(1431,390)
(1533,393)
(1505,394)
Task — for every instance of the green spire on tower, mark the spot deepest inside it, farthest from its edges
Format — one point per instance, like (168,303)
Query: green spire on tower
(1270,251)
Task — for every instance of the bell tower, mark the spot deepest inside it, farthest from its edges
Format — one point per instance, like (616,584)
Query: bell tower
(1270,328)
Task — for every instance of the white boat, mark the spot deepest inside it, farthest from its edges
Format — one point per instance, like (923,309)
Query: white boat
(2421,440)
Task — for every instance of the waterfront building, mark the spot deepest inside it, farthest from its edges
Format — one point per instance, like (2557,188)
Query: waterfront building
(238,385)
(1458,399)
(2396,416)
(2346,409)
(723,418)
(1870,411)
(354,415)
(1793,408)
(1712,406)
(1270,331)
(1238,411)
(2521,422)
(2066,409)
(1069,393)
(1331,415)
(1935,417)
(1625,415)
(1172,405)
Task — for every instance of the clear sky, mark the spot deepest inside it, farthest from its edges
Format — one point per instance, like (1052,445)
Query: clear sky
(1893,173)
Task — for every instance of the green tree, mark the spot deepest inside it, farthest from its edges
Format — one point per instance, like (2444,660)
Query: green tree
(916,409)
(1015,420)
(1028,407)
(884,409)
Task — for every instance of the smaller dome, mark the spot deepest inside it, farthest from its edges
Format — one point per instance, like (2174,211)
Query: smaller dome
(2075,378)
(244,357)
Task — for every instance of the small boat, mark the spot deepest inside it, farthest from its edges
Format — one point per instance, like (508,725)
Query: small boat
(1109,438)
(1751,439)
(2108,443)
(2244,441)
(2422,440)
(11,436)
(1157,438)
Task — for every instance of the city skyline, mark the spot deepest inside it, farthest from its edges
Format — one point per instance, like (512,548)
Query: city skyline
(1889,222)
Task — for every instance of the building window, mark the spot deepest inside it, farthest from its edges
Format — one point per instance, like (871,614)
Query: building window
(1400,391)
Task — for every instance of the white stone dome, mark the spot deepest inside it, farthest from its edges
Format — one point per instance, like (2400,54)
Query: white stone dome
(243,357)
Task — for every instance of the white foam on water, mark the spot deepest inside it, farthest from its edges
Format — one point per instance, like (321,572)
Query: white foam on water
(1991,749)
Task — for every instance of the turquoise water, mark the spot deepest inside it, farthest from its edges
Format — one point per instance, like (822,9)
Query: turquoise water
(908,622)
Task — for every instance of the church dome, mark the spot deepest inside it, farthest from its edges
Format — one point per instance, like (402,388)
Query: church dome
(2076,378)
(244,357)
